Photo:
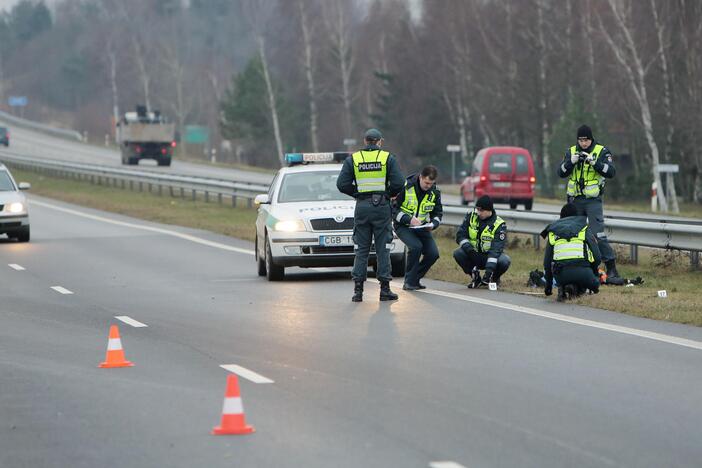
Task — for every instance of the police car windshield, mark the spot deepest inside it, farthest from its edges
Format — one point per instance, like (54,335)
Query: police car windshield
(6,184)
(310,187)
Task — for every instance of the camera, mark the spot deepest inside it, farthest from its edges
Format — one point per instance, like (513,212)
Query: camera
(582,156)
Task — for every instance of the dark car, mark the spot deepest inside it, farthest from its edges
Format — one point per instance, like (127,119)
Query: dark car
(4,136)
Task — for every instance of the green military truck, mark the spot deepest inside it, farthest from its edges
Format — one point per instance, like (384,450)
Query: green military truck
(145,134)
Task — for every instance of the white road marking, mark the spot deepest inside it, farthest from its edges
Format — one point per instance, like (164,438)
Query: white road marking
(130,321)
(16,266)
(61,289)
(246,373)
(167,232)
(577,321)
(445,464)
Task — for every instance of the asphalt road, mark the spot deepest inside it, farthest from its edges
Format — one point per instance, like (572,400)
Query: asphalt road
(476,378)
(29,143)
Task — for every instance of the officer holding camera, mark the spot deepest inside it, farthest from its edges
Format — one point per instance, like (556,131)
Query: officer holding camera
(586,165)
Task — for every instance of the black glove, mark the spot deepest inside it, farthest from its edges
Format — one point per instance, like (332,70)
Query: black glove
(487,277)
(548,290)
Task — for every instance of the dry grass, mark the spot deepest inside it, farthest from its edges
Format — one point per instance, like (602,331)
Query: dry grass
(669,270)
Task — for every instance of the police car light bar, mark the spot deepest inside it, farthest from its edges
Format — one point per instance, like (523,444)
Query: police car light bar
(305,158)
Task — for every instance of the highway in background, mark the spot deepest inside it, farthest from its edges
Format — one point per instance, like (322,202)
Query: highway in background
(34,144)
(477,378)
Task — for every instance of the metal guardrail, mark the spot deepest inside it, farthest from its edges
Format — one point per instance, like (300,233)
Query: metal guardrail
(59,132)
(634,232)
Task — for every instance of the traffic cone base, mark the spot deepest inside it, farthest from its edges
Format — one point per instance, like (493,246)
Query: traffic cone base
(115,352)
(233,419)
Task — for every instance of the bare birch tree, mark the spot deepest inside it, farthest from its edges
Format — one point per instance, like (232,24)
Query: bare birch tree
(628,56)
(541,8)
(309,72)
(257,12)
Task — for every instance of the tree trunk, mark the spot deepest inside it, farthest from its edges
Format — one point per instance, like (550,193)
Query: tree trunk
(667,107)
(311,93)
(272,105)
(143,72)
(544,136)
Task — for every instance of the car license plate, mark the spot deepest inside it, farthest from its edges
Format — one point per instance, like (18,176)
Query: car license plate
(335,240)
(502,184)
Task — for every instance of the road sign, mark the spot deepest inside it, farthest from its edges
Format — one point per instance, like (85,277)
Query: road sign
(673,168)
(349,141)
(197,134)
(453,148)
(17,101)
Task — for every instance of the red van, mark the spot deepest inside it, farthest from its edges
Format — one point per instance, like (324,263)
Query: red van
(505,173)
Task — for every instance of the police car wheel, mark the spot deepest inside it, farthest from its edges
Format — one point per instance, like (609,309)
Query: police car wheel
(260,262)
(273,272)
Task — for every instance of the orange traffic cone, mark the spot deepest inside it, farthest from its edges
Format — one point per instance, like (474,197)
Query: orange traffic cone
(115,353)
(233,419)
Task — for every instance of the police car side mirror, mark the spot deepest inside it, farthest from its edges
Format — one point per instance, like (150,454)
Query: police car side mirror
(463,173)
(261,199)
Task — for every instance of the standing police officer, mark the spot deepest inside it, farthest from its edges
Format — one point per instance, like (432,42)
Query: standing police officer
(587,165)
(417,211)
(372,177)
(571,255)
(481,242)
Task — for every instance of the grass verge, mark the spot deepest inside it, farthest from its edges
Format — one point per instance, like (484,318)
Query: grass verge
(669,270)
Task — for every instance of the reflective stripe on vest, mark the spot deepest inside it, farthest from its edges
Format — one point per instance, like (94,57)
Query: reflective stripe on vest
(570,249)
(591,180)
(370,169)
(422,212)
(486,237)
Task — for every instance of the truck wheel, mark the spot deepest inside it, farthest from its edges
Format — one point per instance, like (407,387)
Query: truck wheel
(528,204)
(164,162)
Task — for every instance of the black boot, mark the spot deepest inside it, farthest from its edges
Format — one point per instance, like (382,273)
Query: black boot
(357,291)
(611,269)
(561,294)
(385,293)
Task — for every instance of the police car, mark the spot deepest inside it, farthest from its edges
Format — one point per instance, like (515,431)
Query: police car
(304,220)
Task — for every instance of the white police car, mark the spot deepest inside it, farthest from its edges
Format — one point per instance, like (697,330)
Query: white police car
(305,221)
(14,214)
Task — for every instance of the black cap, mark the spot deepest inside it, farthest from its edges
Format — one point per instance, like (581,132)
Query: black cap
(485,203)
(568,210)
(585,131)
(373,134)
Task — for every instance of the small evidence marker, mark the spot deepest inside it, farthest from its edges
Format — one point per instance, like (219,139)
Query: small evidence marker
(16,266)
(61,289)
(130,321)
(663,293)
(492,286)
(246,373)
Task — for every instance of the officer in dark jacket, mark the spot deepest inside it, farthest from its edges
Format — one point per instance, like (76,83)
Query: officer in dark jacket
(586,165)
(417,211)
(571,255)
(372,176)
(481,241)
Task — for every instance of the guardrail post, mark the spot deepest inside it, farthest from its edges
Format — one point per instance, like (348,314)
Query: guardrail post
(219,198)
(141,186)
(207,196)
(160,190)
(170,190)
(122,184)
(131,185)
(194,195)
(249,203)
(182,193)
(233,201)
(537,241)
(634,253)
(695,259)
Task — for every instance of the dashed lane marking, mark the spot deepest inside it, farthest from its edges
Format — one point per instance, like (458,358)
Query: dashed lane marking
(61,289)
(168,232)
(575,320)
(16,266)
(246,373)
(445,464)
(130,321)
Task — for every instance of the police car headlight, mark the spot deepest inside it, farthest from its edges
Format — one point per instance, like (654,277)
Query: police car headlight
(292,225)
(16,207)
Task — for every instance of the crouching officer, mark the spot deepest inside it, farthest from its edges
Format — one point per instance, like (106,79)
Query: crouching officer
(417,211)
(371,176)
(571,255)
(481,242)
